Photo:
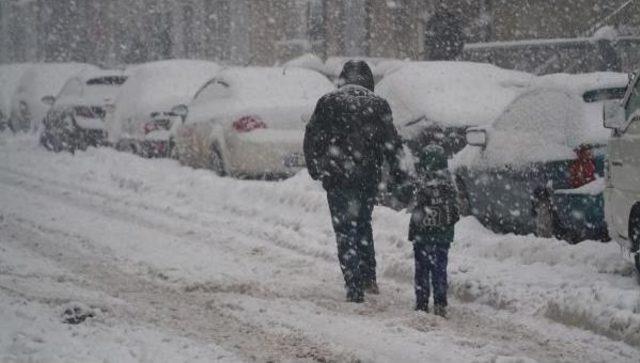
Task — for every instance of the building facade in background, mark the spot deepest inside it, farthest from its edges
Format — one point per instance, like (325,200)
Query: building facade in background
(268,32)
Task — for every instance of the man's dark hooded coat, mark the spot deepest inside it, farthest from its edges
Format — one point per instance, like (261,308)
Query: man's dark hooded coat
(348,138)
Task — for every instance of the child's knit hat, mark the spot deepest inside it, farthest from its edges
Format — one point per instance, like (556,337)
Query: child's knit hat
(431,158)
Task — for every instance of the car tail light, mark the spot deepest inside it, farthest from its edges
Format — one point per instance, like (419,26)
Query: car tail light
(157,124)
(248,123)
(582,170)
(150,127)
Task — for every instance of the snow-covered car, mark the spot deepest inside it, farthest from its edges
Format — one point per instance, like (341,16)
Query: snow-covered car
(77,118)
(36,90)
(622,191)
(9,77)
(539,167)
(250,121)
(438,101)
(142,118)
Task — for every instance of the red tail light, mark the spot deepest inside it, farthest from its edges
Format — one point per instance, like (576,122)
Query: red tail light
(248,123)
(582,170)
(149,127)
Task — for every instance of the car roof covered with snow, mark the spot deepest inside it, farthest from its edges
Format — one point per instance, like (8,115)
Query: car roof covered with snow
(46,79)
(450,93)
(158,86)
(333,65)
(275,83)
(259,89)
(581,83)
(548,122)
(92,87)
(308,61)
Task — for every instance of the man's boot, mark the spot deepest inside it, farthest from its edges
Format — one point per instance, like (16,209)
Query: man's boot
(355,296)
(440,310)
(422,305)
(371,287)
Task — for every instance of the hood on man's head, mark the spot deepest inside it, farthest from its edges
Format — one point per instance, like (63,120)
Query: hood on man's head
(356,72)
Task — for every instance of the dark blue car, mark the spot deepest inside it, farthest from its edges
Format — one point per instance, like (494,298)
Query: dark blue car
(539,167)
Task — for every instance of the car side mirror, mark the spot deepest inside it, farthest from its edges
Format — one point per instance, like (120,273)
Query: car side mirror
(613,115)
(180,110)
(477,137)
(48,100)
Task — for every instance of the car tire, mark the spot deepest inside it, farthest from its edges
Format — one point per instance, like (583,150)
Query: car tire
(544,216)
(216,163)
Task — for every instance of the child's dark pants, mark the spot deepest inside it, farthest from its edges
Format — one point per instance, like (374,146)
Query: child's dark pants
(431,261)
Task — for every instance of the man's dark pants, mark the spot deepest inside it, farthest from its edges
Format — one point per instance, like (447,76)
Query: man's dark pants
(431,260)
(351,211)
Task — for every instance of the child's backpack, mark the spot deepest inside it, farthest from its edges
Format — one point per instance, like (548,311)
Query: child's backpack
(434,201)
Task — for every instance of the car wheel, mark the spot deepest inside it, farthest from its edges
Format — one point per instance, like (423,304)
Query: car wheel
(544,217)
(216,163)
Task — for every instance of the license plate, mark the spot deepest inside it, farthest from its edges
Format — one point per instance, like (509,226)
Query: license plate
(294,160)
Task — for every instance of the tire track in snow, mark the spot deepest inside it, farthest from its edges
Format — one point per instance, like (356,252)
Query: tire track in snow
(195,315)
(246,227)
(487,326)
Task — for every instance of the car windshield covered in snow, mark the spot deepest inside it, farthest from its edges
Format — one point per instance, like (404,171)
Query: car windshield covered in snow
(450,93)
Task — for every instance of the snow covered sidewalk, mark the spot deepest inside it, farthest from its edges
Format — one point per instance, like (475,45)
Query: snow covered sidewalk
(173,264)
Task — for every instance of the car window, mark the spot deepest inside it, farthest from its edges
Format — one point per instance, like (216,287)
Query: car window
(543,112)
(605,94)
(107,81)
(634,101)
(73,87)
(214,89)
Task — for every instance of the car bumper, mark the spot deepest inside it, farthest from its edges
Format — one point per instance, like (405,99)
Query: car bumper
(265,152)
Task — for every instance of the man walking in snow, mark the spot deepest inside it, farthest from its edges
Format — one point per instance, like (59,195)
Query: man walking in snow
(347,140)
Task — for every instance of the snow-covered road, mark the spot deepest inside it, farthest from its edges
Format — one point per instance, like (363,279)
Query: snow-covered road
(177,264)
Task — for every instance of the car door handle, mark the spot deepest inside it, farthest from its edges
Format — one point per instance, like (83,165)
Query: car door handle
(616,162)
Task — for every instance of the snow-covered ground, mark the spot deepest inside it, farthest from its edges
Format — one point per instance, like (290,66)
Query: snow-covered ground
(174,264)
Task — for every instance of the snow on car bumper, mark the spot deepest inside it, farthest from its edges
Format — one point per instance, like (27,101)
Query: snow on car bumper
(271,152)
(87,123)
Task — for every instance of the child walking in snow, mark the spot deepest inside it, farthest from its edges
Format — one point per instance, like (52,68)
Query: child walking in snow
(434,212)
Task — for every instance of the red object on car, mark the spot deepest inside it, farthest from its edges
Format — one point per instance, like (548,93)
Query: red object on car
(248,123)
(149,127)
(582,170)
